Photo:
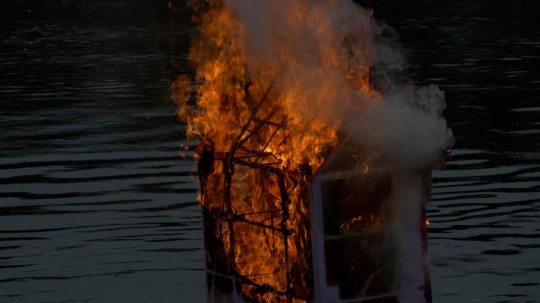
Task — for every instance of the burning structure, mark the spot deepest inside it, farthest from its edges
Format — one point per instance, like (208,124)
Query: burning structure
(303,198)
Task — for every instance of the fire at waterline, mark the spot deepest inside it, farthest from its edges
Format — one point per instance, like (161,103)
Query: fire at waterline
(314,159)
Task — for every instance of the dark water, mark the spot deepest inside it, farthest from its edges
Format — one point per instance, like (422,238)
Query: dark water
(98,205)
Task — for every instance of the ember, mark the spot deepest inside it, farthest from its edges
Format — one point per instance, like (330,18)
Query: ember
(295,209)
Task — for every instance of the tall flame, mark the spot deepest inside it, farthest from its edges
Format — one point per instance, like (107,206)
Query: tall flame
(270,100)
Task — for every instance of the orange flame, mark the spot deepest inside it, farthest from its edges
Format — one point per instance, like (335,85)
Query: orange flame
(265,119)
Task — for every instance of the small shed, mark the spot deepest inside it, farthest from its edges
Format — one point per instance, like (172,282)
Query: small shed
(368,237)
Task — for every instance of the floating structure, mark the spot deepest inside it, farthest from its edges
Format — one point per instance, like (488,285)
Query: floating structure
(295,207)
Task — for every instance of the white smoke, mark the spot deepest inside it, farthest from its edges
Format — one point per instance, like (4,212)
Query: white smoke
(406,126)
(304,41)
(256,18)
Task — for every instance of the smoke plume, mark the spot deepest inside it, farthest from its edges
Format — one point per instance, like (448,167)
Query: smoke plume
(329,42)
